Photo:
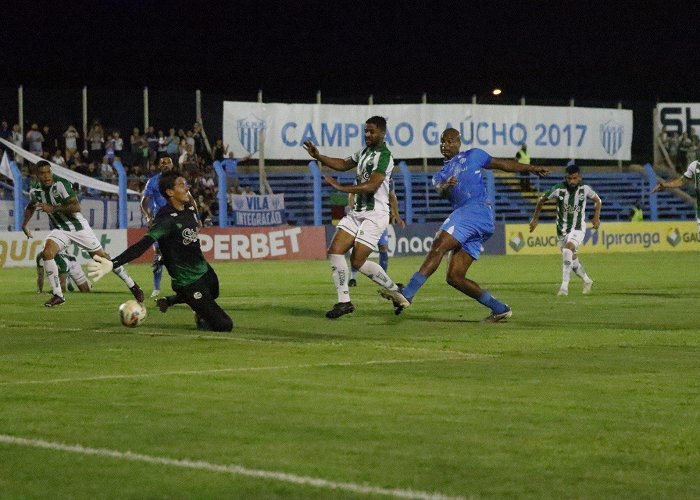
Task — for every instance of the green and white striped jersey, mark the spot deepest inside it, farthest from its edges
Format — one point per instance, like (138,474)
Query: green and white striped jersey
(369,161)
(571,206)
(58,194)
(693,173)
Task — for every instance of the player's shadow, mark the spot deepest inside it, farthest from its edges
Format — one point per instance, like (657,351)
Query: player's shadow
(433,319)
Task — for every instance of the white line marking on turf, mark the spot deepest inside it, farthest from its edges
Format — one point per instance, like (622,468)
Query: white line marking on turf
(227,469)
(233,370)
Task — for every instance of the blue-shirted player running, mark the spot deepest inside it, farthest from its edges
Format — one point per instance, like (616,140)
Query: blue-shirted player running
(470,224)
(151,202)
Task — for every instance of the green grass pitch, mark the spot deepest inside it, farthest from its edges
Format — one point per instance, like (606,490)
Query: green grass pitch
(575,397)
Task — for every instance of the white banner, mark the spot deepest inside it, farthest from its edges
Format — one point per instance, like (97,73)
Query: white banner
(68,174)
(100,214)
(258,210)
(413,130)
(678,117)
(16,250)
(5,167)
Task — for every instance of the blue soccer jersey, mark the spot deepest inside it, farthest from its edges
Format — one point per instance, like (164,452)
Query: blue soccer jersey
(467,168)
(472,221)
(151,191)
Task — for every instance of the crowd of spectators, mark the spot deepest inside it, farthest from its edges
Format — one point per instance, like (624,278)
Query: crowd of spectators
(682,148)
(95,154)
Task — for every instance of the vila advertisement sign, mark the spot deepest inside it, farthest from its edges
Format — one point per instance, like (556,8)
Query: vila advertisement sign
(258,210)
(247,243)
(16,250)
(610,237)
(413,130)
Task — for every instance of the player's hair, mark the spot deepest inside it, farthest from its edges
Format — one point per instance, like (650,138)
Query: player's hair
(167,181)
(572,169)
(379,121)
(42,163)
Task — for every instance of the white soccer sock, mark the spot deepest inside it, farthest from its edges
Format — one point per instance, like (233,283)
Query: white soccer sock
(52,272)
(121,272)
(577,267)
(567,258)
(353,273)
(375,272)
(339,272)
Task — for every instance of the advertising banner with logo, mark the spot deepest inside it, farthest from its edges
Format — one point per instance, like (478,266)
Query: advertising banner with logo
(416,239)
(258,210)
(247,243)
(678,117)
(413,130)
(610,237)
(18,251)
(100,214)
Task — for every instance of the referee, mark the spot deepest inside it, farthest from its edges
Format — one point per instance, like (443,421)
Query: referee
(176,228)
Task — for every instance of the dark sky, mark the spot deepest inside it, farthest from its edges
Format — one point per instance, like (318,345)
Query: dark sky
(587,50)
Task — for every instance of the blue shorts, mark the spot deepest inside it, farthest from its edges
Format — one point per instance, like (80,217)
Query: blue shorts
(471,225)
(384,239)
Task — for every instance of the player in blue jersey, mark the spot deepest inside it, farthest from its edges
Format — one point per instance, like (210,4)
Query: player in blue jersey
(470,224)
(152,201)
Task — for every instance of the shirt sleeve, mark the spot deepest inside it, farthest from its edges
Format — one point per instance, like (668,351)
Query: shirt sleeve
(690,171)
(442,176)
(383,162)
(356,156)
(589,192)
(551,192)
(161,227)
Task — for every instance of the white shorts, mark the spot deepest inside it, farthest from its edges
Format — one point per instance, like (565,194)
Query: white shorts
(76,272)
(574,237)
(367,227)
(85,239)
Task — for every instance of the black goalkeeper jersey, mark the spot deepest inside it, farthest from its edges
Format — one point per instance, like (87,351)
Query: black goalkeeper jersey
(176,232)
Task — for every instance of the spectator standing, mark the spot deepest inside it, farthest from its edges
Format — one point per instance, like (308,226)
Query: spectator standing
(135,141)
(35,140)
(162,145)
(71,136)
(50,143)
(118,144)
(172,145)
(523,157)
(96,138)
(152,140)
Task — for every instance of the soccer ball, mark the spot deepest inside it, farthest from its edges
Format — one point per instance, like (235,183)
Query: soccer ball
(132,313)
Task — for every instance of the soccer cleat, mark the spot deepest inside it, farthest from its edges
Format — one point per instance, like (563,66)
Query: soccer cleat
(352,282)
(495,318)
(396,297)
(54,301)
(163,304)
(340,309)
(138,293)
(155,293)
(563,292)
(587,286)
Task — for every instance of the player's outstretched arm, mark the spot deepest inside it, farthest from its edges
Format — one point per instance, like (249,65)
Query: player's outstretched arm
(673,183)
(339,164)
(507,165)
(370,186)
(597,205)
(536,214)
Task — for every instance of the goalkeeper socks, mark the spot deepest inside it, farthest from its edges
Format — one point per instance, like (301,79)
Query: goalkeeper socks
(52,273)
(417,281)
(384,260)
(492,303)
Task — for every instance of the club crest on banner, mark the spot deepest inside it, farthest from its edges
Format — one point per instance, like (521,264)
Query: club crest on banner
(611,135)
(249,132)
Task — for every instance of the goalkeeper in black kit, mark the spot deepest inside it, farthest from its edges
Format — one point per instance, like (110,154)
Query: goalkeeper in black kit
(176,229)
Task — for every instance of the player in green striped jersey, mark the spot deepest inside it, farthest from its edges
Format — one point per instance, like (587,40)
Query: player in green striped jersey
(68,267)
(55,196)
(360,229)
(692,173)
(570,197)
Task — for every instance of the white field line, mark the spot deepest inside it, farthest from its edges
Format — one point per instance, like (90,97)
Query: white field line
(236,470)
(231,370)
(234,338)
